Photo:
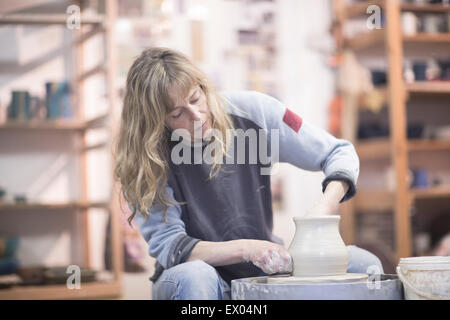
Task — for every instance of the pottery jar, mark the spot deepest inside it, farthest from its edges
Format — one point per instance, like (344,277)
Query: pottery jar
(317,248)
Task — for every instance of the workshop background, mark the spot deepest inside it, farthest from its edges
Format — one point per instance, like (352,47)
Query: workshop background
(374,72)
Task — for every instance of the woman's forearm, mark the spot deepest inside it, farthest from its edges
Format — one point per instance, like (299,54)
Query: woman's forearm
(334,192)
(268,256)
(329,202)
(219,253)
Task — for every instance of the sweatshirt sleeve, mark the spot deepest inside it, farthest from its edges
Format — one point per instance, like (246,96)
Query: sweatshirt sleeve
(298,141)
(168,242)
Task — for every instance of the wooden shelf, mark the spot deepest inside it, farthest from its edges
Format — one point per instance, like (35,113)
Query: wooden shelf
(57,124)
(378,200)
(380,148)
(426,7)
(63,125)
(360,8)
(373,148)
(428,145)
(51,206)
(374,200)
(438,87)
(365,40)
(46,19)
(376,38)
(94,70)
(431,193)
(427,38)
(415,88)
(94,146)
(87,290)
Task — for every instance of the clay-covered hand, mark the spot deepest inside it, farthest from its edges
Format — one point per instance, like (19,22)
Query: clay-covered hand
(268,256)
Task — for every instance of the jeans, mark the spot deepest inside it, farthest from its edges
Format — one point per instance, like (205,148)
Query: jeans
(197,280)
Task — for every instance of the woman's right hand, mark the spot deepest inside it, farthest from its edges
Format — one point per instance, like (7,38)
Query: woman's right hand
(268,256)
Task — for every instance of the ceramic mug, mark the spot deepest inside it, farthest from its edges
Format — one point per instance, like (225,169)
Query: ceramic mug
(420,179)
(23,105)
(410,23)
(420,71)
(431,23)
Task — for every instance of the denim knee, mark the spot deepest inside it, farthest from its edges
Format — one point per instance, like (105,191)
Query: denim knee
(196,272)
(194,280)
(363,261)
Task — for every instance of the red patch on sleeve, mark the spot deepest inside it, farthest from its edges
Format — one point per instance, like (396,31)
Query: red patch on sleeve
(293,120)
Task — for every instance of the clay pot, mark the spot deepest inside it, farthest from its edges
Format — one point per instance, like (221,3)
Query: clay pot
(317,248)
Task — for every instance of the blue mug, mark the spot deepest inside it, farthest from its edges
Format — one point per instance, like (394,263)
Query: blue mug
(23,106)
(420,178)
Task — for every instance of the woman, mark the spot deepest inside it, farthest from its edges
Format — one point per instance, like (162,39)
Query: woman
(208,219)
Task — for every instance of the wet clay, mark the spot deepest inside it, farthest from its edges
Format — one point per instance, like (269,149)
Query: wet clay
(318,252)
(317,248)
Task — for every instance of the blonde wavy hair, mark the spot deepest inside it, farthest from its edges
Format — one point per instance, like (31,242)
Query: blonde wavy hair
(142,149)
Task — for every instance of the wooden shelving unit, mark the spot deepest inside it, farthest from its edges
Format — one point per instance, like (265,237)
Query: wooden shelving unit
(396,148)
(104,23)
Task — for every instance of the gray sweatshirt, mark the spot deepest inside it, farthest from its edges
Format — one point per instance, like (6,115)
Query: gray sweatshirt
(237,203)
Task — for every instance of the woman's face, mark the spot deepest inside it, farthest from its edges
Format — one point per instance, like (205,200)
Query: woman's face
(188,111)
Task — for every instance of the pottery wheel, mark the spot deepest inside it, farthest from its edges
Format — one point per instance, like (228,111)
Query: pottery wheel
(346,277)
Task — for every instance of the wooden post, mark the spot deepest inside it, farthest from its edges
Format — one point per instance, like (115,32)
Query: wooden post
(83,213)
(347,225)
(197,40)
(339,10)
(114,118)
(397,118)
